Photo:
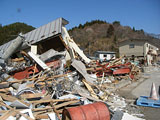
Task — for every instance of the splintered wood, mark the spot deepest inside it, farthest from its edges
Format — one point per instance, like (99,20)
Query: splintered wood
(39,95)
(42,104)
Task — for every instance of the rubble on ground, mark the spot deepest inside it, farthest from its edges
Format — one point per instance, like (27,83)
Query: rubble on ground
(42,86)
(50,91)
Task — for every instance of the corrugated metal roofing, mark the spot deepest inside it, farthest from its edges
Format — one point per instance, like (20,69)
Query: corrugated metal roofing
(51,29)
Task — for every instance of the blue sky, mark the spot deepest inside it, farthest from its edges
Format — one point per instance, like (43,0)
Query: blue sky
(142,14)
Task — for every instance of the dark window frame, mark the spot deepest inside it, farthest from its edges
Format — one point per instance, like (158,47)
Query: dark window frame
(131,46)
(104,55)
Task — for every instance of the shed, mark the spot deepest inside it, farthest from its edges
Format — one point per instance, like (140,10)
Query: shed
(105,55)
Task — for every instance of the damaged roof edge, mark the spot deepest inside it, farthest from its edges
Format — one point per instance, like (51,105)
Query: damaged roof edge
(43,32)
(64,21)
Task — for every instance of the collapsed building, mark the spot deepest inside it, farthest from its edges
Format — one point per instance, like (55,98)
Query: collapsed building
(44,73)
(50,36)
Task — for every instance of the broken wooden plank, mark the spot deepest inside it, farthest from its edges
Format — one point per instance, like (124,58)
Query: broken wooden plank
(8,97)
(32,95)
(5,90)
(54,109)
(88,97)
(50,100)
(18,59)
(12,99)
(24,115)
(66,103)
(13,112)
(56,106)
(93,94)
(4,85)
(7,114)
(43,116)
(43,78)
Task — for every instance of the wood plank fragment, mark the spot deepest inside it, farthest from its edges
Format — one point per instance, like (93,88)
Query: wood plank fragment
(90,89)
(7,114)
(18,59)
(54,109)
(31,95)
(51,100)
(8,97)
(56,106)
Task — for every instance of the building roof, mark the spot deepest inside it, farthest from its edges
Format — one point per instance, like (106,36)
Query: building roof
(150,41)
(105,52)
(49,30)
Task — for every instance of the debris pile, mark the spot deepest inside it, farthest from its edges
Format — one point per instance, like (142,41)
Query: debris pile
(42,92)
(41,86)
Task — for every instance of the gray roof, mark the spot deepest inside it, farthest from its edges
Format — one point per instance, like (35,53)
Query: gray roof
(51,29)
(105,52)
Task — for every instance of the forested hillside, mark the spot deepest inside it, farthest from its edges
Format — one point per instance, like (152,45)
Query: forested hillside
(9,32)
(100,35)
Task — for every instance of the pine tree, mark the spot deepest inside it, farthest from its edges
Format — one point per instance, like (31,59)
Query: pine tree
(110,31)
(134,29)
(116,23)
(9,32)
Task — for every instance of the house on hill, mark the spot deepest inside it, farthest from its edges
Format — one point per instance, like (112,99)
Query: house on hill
(139,48)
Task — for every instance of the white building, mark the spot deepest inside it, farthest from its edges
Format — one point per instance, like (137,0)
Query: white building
(105,55)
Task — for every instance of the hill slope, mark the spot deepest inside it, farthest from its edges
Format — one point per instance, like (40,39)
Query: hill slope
(100,35)
(9,32)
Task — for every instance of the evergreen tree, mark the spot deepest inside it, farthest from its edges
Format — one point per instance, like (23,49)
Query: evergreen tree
(115,39)
(134,29)
(116,23)
(9,32)
(110,31)
(80,26)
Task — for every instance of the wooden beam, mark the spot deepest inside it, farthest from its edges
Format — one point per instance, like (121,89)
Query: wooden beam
(50,100)
(32,95)
(56,106)
(7,114)
(93,94)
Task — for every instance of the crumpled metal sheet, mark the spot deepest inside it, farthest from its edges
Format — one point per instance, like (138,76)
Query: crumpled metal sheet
(80,67)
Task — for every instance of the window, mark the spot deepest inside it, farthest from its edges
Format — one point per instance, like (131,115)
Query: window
(97,55)
(131,45)
(104,55)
